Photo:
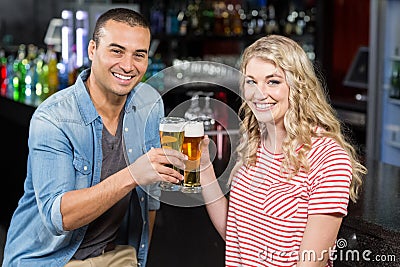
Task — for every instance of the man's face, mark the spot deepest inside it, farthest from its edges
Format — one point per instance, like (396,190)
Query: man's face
(120,59)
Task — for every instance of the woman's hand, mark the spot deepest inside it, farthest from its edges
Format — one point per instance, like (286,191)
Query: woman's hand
(205,161)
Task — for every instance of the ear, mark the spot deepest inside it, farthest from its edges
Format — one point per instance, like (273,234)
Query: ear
(91,49)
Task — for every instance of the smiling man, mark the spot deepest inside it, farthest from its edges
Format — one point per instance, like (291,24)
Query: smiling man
(94,160)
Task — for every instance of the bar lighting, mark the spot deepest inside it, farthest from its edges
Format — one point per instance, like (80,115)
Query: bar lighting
(82,26)
(66,34)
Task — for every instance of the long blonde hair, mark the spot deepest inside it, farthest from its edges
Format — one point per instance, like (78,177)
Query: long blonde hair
(308,110)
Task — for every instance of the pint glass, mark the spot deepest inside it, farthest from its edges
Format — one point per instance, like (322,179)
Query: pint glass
(171,136)
(194,134)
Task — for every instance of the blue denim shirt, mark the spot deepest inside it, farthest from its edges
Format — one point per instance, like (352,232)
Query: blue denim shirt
(65,154)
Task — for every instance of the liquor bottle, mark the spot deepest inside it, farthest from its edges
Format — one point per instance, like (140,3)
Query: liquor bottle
(10,76)
(193,15)
(171,21)
(271,26)
(42,71)
(227,11)
(207,18)
(19,70)
(218,18)
(194,109)
(53,80)
(207,114)
(289,25)
(236,21)
(157,18)
(3,73)
(395,77)
(30,77)
(183,21)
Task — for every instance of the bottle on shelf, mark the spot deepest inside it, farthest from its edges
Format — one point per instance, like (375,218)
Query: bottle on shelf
(207,114)
(53,80)
(271,25)
(395,77)
(31,77)
(19,69)
(194,109)
(10,76)
(207,18)
(183,21)
(3,73)
(157,18)
(42,72)
(236,21)
(171,21)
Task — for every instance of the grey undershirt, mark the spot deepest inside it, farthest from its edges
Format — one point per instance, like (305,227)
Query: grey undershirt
(105,228)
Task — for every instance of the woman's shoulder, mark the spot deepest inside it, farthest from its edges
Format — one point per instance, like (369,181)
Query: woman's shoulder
(326,149)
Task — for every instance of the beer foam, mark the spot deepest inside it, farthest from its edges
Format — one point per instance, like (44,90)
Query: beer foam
(194,129)
(172,127)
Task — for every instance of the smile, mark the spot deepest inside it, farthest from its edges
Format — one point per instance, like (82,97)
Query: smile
(263,106)
(122,77)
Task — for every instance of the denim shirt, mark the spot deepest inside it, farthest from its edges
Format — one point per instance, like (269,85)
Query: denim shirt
(65,154)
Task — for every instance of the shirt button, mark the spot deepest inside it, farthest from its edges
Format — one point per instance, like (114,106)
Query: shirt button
(139,264)
(130,150)
(85,168)
(126,129)
(142,199)
(144,222)
(142,245)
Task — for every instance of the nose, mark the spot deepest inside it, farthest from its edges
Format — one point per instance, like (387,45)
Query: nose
(127,63)
(260,91)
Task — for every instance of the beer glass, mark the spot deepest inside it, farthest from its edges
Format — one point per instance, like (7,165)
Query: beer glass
(194,134)
(171,136)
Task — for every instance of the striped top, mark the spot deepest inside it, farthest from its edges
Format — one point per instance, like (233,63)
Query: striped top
(267,213)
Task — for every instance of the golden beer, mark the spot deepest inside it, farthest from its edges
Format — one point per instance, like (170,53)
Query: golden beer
(171,136)
(194,134)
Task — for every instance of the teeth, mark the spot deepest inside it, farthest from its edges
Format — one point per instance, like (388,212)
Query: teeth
(263,106)
(122,77)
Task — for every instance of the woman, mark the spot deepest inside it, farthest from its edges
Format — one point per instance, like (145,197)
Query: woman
(295,171)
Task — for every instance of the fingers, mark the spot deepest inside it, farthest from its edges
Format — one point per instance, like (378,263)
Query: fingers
(205,142)
(169,174)
(170,152)
(168,156)
(161,157)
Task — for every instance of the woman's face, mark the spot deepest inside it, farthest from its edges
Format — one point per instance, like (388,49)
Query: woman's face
(266,91)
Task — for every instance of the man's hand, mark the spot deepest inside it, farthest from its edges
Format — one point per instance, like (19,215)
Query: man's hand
(151,167)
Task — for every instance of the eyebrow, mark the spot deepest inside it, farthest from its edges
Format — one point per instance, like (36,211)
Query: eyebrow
(275,74)
(123,48)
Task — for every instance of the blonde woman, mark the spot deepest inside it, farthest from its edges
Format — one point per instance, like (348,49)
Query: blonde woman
(295,171)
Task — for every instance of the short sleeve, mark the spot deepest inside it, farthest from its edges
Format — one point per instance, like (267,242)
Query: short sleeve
(331,186)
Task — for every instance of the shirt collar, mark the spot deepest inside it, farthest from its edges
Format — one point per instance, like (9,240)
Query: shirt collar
(85,104)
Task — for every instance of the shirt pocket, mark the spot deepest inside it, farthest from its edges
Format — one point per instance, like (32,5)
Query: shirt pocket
(282,200)
(83,172)
(151,143)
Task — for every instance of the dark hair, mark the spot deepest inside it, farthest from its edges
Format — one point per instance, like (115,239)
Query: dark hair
(125,15)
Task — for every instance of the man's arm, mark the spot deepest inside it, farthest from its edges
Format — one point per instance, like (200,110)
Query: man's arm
(80,207)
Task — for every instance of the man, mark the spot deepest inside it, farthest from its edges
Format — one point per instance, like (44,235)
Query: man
(82,205)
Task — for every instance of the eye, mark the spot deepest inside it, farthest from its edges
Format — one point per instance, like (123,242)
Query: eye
(273,82)
(140,55)
(250,82)
(116,51)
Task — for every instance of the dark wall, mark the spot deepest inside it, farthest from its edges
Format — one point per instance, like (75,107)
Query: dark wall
(25,21)
(350,31)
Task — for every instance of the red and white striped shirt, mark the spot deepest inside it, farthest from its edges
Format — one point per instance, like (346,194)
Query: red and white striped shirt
(268,214)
